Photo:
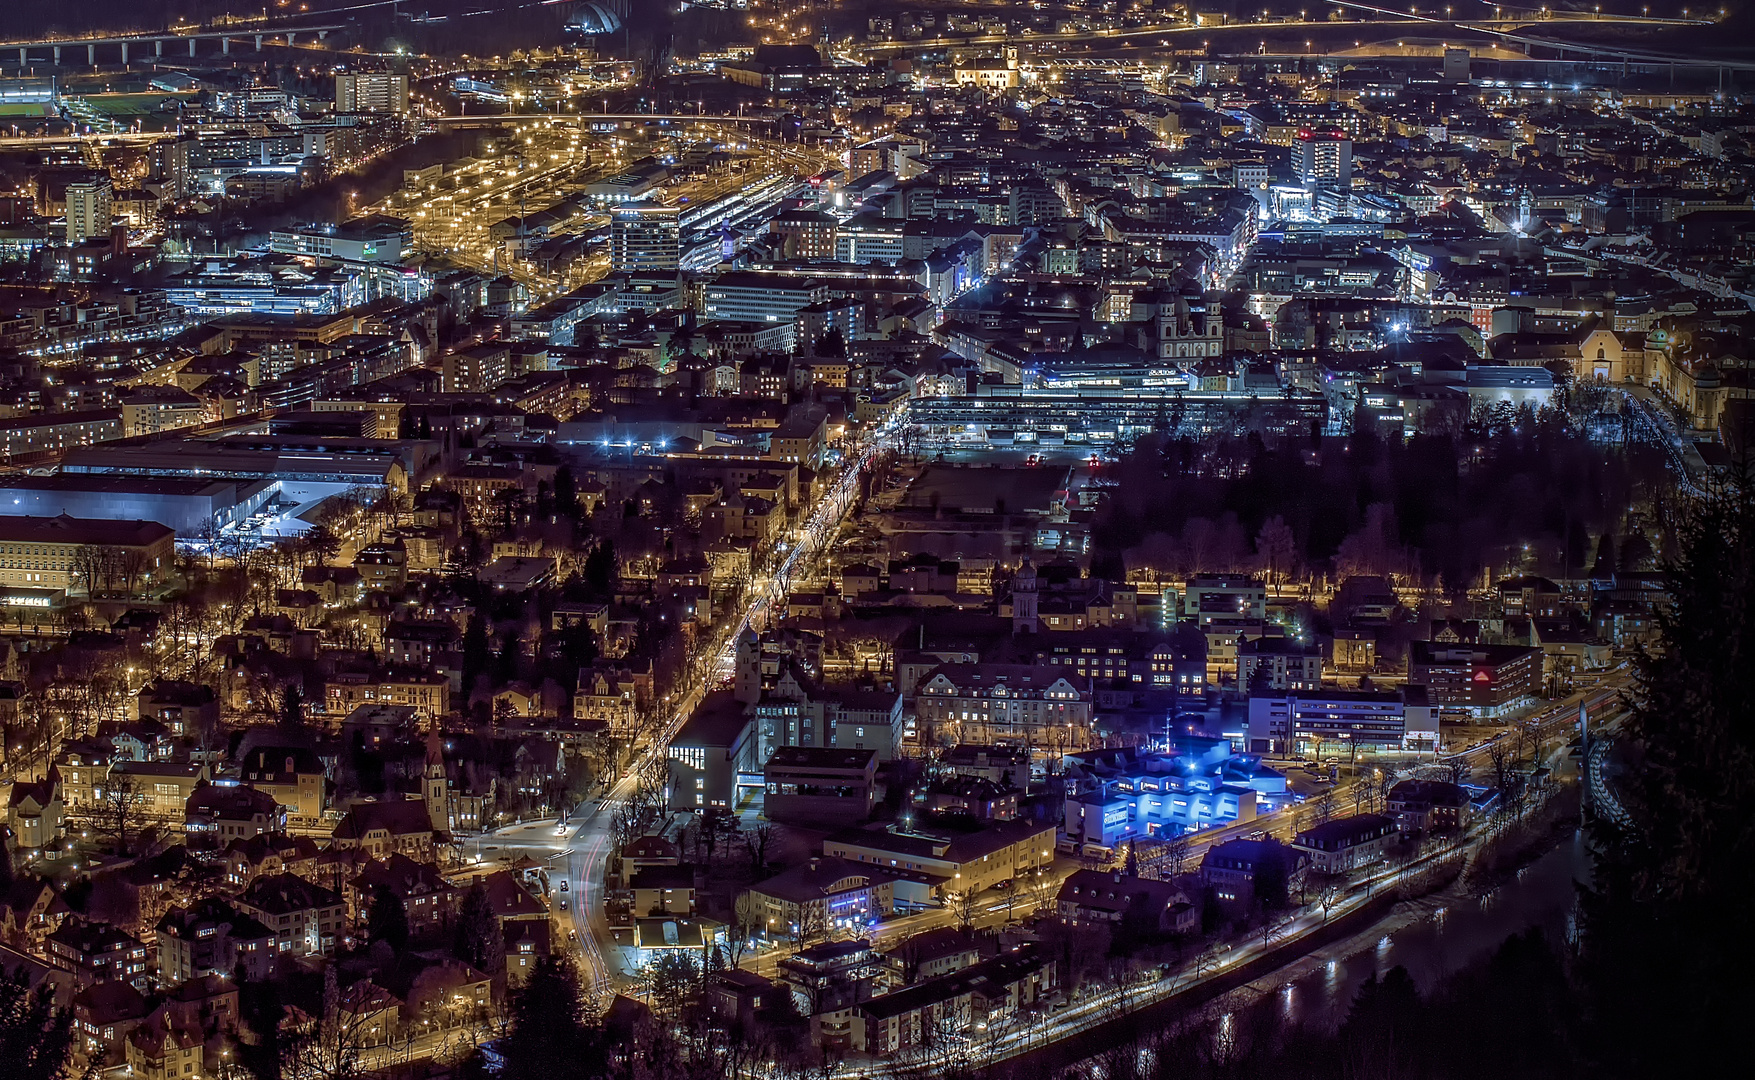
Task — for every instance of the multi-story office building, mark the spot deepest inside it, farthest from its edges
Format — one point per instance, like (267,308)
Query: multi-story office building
(869,238)
(54,553)
(1340,722)
(712,755)
(741,296)
(89,208)
(375,239)
(371,92)
(645,236)
(1483,681)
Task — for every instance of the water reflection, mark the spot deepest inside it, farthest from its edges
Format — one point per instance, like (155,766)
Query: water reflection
(1452,936)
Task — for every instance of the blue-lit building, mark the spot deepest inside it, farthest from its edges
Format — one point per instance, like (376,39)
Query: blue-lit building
(1120,795)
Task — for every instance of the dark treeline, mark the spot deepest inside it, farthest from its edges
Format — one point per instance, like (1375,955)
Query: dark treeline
(1435,509)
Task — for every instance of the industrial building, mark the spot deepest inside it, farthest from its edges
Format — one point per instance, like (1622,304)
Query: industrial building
(190,506)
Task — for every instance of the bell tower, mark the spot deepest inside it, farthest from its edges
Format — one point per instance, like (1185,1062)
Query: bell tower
(433,786)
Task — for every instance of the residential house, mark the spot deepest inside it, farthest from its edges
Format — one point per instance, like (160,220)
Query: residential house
(1107,897)
(306,918)
(1429,806)
(217,814)
(211,937)
(34,811)
(95,951)
(1345,844)
(429,901)
(822,895)
(379,828)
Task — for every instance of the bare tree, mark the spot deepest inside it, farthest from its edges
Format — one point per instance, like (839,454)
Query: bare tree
(1324,889)
(332,1047)
(119,810)
(746,923)
(812,924)
(131,567)
(1175,854)
(1503,777)
(756,842)
(963,907)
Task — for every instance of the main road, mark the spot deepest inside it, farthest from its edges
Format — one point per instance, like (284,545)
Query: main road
(587,839)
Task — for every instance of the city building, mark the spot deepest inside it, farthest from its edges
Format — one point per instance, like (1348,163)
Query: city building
(948,860)
(1231,868)
(712,755)
(1345,844)
(1427,806)
(1118,796)
(811,785)
(824,894)
(1108,897)
(1323,157)
(375,239)
(644,236)
(1481,681)
(371,92)
(1007,704)
(1328,722)
(89,208)
(305,918)
(85,554)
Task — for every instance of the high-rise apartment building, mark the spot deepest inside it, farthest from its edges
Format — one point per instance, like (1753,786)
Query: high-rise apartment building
(645,236)
(88,208)
(371,92)
(1323,157)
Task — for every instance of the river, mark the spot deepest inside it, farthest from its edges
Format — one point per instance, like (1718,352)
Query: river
(1438,936)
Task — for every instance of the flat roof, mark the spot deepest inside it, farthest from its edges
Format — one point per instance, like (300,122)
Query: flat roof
(718,721)
(821,757)
(144,485)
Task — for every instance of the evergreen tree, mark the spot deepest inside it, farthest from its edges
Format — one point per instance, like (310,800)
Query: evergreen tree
(387,919)
(292,706)
(36,1038)
(566,494)
(477,651)
(511,651)
(1271,876)
(479,940)
(551,1036)
(1665,958)
(601,570)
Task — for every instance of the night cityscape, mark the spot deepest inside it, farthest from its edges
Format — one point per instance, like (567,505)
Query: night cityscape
(875,539)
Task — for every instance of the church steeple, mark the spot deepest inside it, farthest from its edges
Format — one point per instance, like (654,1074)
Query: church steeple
(433,786)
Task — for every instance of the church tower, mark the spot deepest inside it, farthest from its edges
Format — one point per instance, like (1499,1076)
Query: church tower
(433,786)
(1024,599)
(746,673)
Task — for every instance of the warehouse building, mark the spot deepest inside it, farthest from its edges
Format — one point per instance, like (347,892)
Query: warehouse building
(190,506)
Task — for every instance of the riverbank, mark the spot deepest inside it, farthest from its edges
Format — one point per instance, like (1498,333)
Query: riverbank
(1431,923)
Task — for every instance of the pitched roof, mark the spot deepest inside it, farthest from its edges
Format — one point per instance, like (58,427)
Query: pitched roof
(405,817)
